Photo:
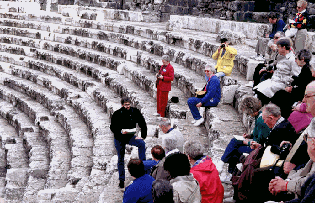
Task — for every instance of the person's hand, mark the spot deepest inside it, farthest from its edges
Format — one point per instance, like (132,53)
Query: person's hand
(273,47)
(245,142)
(271,71)
(123,132)
(288,89)
(161,77)
(254,145)
(199,104)
(245,135)
(266,35)
(297,107)
(262,70)
(138,138)
(277,185)
(287,167)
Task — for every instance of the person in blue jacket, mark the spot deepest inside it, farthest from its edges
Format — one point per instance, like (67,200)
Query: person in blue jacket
(140,190)
(211,98)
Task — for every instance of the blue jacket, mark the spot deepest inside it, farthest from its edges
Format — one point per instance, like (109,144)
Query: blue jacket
(139,190)
(213,96)
(148,164)
(280,24)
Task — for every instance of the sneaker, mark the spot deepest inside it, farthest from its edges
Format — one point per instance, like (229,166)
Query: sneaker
(260,58)
(156,114)
(199,122)
(194,121)
(121,184)
(226,178)
(219,166)
(250,84)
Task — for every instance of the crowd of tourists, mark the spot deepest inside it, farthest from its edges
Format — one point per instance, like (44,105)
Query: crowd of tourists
(274,163)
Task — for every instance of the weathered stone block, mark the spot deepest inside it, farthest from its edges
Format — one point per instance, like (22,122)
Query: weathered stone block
(233,37)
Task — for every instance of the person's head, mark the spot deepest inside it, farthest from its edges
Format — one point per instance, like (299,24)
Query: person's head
(271,114)
(209,70)
(166,59)
(177,165)
(165,124)
(309,98)
(136,168)
(303,57)
(162,191)
(250,105)
(125,102)
(158,152)
(194,150)
(273,17)
(284,46)
(277,36)
(224,41)
(169,143)
(301,5)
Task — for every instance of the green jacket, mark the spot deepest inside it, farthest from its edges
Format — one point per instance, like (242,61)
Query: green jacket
(261,130)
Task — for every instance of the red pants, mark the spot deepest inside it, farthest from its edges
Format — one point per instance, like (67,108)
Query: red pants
(161,98)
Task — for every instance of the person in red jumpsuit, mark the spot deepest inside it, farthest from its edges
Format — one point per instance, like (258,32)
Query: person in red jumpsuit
(163,84)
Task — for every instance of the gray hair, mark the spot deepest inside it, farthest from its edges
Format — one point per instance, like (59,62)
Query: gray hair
(193,149)
(302,3)
(250,105)
(166,58)
(272,109)
(210,67)
(280,33)
(165,122)
(169,144)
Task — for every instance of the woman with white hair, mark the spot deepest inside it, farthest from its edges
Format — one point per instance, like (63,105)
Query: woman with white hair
(163,84)
(211,97)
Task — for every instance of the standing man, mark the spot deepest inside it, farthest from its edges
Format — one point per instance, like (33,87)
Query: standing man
(123,124)
(225,56)
(277,26)
(163,84)
(300,23)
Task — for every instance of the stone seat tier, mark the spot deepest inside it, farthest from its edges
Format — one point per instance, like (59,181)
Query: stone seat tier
(56,135)
(20,170)
(81,142)
(179,111)
(195,41)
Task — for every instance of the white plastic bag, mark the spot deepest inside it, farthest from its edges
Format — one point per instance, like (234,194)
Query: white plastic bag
(291,32)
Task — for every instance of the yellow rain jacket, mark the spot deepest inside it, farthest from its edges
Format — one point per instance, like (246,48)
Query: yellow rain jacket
(225,64)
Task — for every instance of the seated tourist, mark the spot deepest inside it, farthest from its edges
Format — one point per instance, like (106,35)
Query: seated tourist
(186,187)
(277,26)
(300,118)
(211,98)
(234,150)
(162,191)
(170,146)
(166,127)
(140,189)
(295,92)
(264,71)
(224,56)
(282,77)
(295,180)
(158,154)
(205,172)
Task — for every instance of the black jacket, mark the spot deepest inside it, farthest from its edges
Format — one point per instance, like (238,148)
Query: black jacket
(127,119)
(300,82)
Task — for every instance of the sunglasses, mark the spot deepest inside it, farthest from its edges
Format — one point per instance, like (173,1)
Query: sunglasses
(308,96)
(298,7)
(276,37)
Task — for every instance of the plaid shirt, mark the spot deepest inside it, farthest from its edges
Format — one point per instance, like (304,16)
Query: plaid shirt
(300,20)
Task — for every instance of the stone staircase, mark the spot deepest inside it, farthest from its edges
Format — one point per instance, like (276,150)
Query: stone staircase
(62,78)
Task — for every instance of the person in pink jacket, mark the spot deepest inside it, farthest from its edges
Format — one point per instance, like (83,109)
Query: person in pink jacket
(300,118)
(163,84)
(205,172)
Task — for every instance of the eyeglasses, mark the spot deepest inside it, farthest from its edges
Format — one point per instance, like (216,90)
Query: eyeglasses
(308,96)
(306,137)
(276,37)
(298,7)
(126,104)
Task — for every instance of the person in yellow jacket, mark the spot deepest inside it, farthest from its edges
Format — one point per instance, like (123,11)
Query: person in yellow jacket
(225,56)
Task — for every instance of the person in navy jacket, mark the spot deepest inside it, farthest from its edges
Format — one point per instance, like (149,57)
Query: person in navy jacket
(212,97)
(141,188)
(163,84)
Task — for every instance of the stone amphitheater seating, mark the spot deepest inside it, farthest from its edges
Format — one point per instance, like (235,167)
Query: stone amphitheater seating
(62,77)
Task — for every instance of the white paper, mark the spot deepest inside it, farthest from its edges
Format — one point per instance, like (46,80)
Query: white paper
(238,137)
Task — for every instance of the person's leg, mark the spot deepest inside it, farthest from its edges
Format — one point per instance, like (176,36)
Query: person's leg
(231,149)
(158,102)
(192,101)
(220,74)
(256,76)
(300,40)
(120,147)
(141,146)
(163,99)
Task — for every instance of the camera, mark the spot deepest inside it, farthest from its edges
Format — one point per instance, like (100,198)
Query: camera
(284,150)
(222,46)
(158,75)
(270,67)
